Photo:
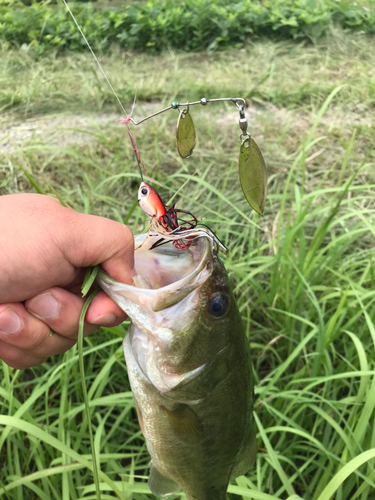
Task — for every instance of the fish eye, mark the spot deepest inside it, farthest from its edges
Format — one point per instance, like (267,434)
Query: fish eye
(144,191)
(219,305)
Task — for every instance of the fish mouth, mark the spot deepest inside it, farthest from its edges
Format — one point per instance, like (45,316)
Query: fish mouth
(164,275)
(163,303)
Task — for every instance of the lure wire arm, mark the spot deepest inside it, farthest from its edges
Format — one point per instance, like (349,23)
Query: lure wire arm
(203,102)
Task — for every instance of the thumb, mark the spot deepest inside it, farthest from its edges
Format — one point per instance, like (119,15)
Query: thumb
(96,240)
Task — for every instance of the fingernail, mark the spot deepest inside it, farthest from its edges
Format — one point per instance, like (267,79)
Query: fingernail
(10,322)
(104,320)
(45,306)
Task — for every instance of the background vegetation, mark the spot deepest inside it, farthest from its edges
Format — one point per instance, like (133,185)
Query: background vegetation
(303,273)
(189,26)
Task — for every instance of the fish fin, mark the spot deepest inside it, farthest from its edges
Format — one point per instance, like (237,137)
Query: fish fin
(211,374)
(160,485)
(184,422)
(246,457)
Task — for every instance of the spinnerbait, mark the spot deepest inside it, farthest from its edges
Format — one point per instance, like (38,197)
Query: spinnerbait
(252,169)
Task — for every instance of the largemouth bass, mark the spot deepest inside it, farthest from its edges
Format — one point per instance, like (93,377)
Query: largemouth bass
(189,367)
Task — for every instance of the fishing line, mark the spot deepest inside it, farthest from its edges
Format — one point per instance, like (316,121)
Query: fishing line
(136,152)
(94,56)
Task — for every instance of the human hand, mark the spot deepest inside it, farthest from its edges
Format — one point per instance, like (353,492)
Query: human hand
(44,250)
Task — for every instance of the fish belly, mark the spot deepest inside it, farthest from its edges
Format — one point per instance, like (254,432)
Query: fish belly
(200,433)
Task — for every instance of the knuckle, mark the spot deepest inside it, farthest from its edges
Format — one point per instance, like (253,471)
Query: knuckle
(128,237)
(127,233)
(31,336)
(122,240)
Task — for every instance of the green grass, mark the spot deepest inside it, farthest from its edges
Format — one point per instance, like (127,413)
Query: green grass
(193,25)
(303,274)
(262,71)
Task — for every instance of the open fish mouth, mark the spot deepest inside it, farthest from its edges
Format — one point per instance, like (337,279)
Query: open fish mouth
(164,277)
(165,305)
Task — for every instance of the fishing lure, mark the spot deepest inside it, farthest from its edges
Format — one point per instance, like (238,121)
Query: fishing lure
(167,222)
(251,165)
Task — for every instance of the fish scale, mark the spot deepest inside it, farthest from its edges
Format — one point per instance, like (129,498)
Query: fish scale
(189,367)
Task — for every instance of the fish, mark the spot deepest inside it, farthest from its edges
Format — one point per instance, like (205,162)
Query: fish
(189,366)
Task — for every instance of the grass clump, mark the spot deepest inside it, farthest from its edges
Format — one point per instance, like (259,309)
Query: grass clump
(190,26)
(264,72)
(303,274)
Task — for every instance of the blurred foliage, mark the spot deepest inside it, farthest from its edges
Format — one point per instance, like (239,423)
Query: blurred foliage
(190,26)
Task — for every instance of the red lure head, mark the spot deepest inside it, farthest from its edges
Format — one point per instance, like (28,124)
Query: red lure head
(150,201)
